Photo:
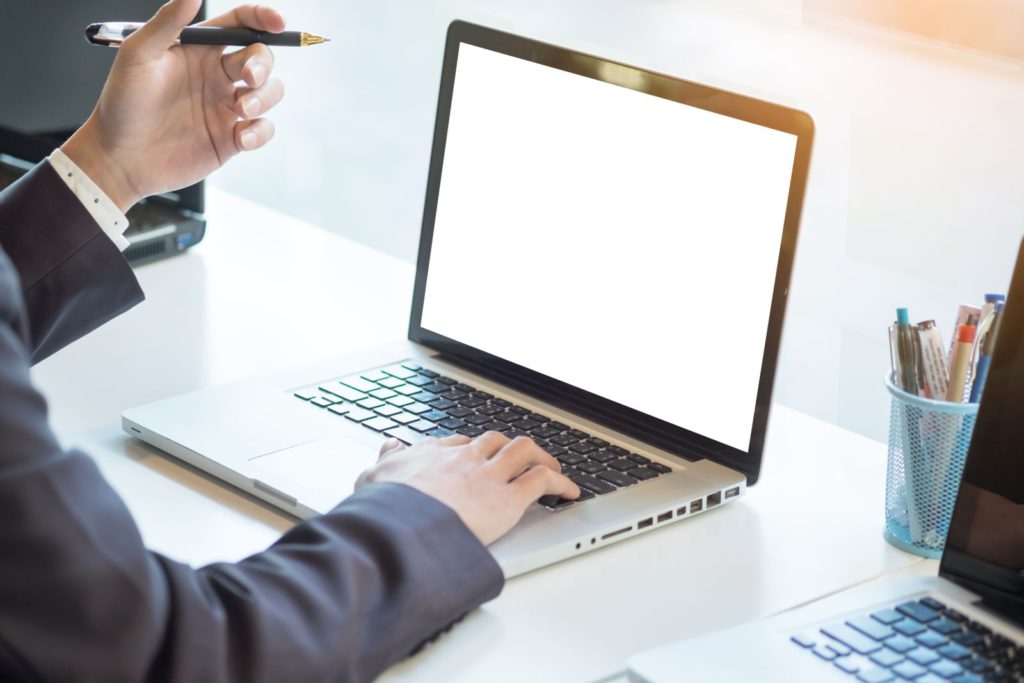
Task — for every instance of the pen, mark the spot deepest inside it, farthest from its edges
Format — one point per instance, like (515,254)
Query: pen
(906,352)
(988,346)
(961,361)
(113,33)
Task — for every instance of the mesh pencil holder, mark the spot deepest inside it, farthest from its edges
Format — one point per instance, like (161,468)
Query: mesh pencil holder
(928,443)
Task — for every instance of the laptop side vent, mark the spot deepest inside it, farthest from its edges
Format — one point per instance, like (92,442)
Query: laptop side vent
(147,250)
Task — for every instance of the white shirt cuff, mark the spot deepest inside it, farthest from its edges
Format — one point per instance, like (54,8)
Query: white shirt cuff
(100,207)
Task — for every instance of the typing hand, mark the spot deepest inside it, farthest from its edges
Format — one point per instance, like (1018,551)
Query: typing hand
(488,482)
(169,115)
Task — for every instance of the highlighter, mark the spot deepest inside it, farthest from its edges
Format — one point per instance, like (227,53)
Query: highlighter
(962,345)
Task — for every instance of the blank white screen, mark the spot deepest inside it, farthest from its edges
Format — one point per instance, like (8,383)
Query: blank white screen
(619,242)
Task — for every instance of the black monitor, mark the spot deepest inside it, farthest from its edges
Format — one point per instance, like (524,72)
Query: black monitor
(985,548)
(50,83)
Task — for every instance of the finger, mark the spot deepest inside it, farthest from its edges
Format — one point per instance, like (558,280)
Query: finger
(250,135)
(541,481)
(160,32)
(520,455)
(390,447)
(454,440)
(253,102)
(252,64)
(259,17)
(489,443)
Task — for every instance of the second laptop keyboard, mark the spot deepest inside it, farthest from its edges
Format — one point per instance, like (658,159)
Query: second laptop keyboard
(407,402)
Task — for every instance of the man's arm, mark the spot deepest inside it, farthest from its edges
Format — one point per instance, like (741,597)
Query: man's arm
(73,277)
(338,598)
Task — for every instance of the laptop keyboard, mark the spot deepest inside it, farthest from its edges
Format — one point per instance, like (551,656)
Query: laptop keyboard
(923,641)
(409,402)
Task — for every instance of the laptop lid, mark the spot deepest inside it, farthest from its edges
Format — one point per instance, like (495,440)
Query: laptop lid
(985,547)
(611,240)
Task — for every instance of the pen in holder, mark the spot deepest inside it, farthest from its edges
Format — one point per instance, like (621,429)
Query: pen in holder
(928,443)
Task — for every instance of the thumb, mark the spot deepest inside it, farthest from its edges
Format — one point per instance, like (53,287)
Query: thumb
(160,32)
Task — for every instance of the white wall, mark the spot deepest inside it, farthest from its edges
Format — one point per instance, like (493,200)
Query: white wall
(916,194)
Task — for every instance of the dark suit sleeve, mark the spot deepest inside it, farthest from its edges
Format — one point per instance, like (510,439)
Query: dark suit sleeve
(339,597)
(73,277)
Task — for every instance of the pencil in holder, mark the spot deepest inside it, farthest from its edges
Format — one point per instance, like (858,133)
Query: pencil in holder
(928,443)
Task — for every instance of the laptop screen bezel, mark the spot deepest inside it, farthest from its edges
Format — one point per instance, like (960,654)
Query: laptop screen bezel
(666,436)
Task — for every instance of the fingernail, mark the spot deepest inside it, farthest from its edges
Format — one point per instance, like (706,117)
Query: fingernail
(248,139)
(258,73)
(251,105)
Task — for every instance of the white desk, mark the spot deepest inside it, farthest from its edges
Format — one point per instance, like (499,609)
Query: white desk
(265,291)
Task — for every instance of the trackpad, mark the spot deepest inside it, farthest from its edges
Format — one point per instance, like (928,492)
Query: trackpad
(320,473)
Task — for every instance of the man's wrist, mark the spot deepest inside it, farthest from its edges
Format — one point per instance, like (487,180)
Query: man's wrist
(88,154)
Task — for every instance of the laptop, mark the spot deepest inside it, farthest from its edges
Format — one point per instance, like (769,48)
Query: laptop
(603,267)
(965,625)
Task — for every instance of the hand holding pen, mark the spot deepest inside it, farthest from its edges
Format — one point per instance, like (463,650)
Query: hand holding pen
(168,115)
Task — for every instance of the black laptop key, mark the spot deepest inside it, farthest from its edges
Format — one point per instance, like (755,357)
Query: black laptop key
(944,626)
(526,425)
(643,473)
(554,502)
(436,387)
(954,651)
(966,638)
(622,465)
(472,431)
(579,434)
(617,478)
(424,397)
(419,380)
(537,417)
(540,442)
(472,402)
(472,418)
(602,456)
(513,433)
(637,458)
(452,395)
(955,616)
(452,423)
(501,402)
(563,440)
(584,495)
(466,388)
(592,484)
(446,380)
(600,443)
(440,432)
(434,415)
(570,458)
(581,447)
(933,603)
(494,426)
(619,450)
(464,413)
(559,426)
(555,450)
(442,404)
(429,373)
(482,395)
(489,409)
(590,467)
(544,432)
(659,468)
(519,409)
(917,612)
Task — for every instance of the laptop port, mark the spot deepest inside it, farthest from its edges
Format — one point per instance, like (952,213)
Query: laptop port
(681,511)
(664,516)
(732,493)
(612,534)
(714,499)
(644,523)
(697,506)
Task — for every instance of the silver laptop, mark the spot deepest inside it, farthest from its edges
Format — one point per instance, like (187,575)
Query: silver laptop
(603,266)
(966,625)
